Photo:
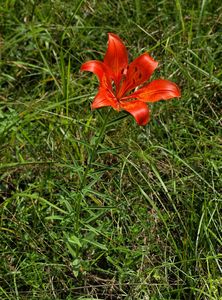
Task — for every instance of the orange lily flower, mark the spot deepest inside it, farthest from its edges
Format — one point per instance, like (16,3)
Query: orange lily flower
(119,81)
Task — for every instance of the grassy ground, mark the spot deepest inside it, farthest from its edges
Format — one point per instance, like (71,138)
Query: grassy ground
(147,223)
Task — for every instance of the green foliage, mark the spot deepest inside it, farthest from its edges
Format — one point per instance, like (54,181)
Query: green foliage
(134,214)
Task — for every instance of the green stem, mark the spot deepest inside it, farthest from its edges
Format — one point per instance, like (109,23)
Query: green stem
(94,150)
(87,169)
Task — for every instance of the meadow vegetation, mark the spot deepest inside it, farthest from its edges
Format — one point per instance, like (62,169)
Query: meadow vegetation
(147,223)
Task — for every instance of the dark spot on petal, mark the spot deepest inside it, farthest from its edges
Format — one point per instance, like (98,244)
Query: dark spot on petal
(140,75)
(122,71)
(135,69)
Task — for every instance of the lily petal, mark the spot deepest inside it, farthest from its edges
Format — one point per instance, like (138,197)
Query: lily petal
(105,98)
(116,58)
(99,69)
(159,89)
(139,110)
(139,71)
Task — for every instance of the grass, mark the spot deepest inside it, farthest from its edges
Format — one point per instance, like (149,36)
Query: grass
(146,223)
